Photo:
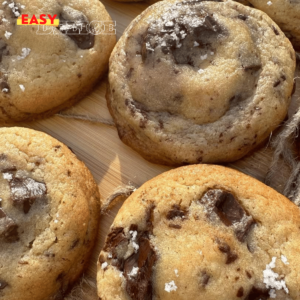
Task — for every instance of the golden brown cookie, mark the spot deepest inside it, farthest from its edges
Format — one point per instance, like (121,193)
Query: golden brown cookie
(199,81)
(45,69)
(49,210)
(202,232)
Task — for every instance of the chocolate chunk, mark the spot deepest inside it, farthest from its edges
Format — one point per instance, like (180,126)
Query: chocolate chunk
(8,228)
(115,238)
(5,88)
(242,17)
(25,191)
(225,248)
(252,67)
(204,278)
(74,244)
(230,212)
(248,274)
(139,287)
(175,212)
(75,25)
(175,226)
(3,284)
(275,30)
(240,292)
(257,294)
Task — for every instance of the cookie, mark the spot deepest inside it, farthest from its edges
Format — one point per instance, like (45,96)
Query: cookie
(45,69)
(199,81)
(202,232)
(285,14)
(49,209)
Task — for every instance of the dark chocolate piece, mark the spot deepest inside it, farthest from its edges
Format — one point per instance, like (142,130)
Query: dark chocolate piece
(240,292)
(139,287)
(229,210)
(3,284)
(257,294)
(175,212)
(25,191)
(225,248)
(204,278)
(75,25)
(8,228)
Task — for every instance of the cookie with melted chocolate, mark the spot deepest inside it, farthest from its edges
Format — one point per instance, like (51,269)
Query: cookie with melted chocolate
(49,206)
(202,232)
(199,81)
(44,69)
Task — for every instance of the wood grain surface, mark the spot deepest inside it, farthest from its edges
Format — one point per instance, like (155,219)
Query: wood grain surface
(112,163)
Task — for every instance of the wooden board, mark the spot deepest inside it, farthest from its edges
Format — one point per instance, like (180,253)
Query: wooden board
(111,162)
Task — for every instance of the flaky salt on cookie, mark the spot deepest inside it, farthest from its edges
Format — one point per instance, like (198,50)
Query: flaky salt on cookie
(49,210)
(199,81)
(44,69)
(202,232)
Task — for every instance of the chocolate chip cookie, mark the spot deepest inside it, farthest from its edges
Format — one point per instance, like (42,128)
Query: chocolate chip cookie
(202,232)
(49,209)
(286,14)
(199,81)
(44,69)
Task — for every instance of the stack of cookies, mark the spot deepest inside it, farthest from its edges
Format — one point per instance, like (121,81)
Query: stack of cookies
(190,82)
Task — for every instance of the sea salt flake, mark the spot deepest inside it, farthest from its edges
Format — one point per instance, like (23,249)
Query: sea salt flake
(176,272)
(104,265)
(135,246)
(284,260)
(23,6)
(171,286)
(203,57)
(7,176)
(109,255)
(201,71)
(196,44)
(7,34)
(4,2)
(55,221)
(5,90)
(25,53)
(11,5)
(133,234)
(269,3)
(133,272)
(270,279)
(22,87)
(4,20)
(212,53)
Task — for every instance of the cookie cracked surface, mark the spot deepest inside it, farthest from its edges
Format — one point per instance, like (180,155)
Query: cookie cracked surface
(49,209)
(44,69)
(199,81)
(202,232)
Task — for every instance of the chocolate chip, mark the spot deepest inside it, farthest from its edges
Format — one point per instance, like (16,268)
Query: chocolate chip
(248,274)
(242,17)
(115,238)
(140,287)
(8,228)
(240,292)
(176,212)
(25,191)
(74,244)
(75,25)
(225,248)
(275,30)
(175,226)
(257,294)
(3,284)
(230,212)
(60,276)
(5,88)
(204,278)
(253,68)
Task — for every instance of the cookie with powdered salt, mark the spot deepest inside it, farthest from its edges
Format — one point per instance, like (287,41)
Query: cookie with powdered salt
(199,81)
(286,14)
(45,69)
(202,232)
(49,210)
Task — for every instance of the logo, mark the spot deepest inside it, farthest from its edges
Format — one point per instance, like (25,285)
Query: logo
(48,24)
(43,20)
